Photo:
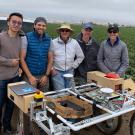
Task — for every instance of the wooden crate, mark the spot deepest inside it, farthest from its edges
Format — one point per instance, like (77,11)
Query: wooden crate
(23,102)
(129,85)
(100,79)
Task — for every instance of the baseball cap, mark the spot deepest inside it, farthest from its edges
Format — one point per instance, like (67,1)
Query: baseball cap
(113,27)
(87,25)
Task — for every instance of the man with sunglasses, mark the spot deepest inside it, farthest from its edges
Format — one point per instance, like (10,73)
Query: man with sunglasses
(113,53)
(90,49)
(10,47)
(64,49)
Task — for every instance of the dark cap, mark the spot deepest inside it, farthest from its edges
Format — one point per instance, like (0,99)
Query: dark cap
(87,25)
(113,27)
(40,19)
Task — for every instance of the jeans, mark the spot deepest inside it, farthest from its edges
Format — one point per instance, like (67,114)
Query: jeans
(6,105)
(59,82)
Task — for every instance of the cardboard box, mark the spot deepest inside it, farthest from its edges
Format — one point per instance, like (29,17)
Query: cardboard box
(129,85)
(23,102)
(100,79)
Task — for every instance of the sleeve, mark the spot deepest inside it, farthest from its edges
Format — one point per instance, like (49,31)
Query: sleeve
(124,61)
(24,42)
(79,55)
(100,59)
(51,49)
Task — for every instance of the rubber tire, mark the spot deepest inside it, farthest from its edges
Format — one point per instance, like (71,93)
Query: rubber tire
(132,125)
(105,128)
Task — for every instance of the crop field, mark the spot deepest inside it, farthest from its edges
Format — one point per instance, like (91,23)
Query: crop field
(127,34)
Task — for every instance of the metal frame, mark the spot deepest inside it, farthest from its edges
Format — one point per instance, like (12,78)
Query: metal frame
(41,116)
(59,129)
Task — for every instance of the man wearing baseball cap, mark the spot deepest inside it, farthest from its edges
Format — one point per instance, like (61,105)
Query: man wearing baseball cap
(90,49)
(64,49)
(113,53)
(36,59)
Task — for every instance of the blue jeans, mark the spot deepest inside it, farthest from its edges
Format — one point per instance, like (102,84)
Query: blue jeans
(9,105)
(59,82)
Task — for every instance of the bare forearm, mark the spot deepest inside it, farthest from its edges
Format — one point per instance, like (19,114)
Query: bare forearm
(50,63)
(25,68)
(48,69)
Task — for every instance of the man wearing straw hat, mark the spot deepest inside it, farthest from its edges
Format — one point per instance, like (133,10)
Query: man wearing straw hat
(67,55)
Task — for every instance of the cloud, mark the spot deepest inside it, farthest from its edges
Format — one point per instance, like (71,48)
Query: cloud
(120,11)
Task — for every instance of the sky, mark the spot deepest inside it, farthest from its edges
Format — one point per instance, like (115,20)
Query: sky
(97,11)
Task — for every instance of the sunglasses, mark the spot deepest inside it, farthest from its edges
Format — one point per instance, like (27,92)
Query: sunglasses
(112,31)
(14,22)
(65,30)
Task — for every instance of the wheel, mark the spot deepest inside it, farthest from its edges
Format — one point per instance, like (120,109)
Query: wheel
(110,126)
(132,125)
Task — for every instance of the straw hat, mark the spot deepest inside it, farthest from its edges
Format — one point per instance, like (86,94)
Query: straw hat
(65,26)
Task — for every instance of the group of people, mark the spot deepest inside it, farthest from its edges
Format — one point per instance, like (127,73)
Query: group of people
(40,57)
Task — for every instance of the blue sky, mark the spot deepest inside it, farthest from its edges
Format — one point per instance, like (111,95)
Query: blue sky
(99,11)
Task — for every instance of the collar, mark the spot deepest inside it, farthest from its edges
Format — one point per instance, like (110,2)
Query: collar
(38,36)
(89,42)
(80,39)
(115,43)
(17,35)
(61,41)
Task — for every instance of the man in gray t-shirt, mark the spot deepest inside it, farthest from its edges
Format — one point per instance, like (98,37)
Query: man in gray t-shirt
(10,46)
